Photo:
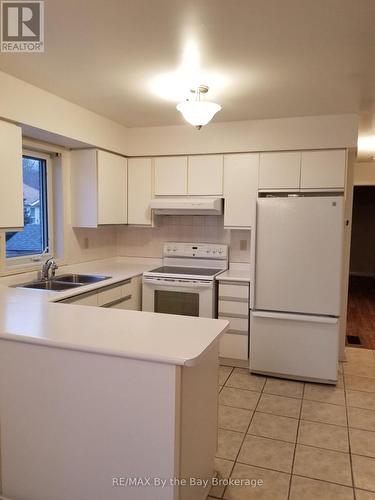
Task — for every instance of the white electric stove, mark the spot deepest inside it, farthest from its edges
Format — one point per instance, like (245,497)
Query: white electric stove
(185,284)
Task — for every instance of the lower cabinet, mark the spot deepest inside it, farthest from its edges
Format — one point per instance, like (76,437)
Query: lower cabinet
(234,307)
(123,295)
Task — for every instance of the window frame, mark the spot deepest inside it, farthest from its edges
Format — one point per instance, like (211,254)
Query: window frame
(33,259)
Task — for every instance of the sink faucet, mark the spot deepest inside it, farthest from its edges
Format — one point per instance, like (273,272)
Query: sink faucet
(49,268)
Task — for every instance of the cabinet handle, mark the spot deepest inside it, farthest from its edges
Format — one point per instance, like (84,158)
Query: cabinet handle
(117,301)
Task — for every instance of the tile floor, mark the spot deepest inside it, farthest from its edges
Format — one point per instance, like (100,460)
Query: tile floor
(304,441)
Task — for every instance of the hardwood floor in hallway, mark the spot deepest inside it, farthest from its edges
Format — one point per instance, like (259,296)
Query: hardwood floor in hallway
(361,310)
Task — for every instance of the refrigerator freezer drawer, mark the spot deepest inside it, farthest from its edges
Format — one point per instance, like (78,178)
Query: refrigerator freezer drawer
(294,346)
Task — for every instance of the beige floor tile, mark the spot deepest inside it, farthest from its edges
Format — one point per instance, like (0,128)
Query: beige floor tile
(362,442)
(229,443)
(324,394)
(223,469)
(340,381)
(364,472)
(303,488)
(274,427)
(362,368)
(268,453)
(275,485)
(279,405)
(224,372)
(235,419)
(364,495)
(239,398)
(284,388)
(357,383)
(331,437)
(323,412)
(328,465)
(361,419)
(360,399)
(360,355)
(243,379)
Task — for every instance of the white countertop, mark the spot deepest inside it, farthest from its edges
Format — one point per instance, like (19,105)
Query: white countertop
(34,316)
(236,272)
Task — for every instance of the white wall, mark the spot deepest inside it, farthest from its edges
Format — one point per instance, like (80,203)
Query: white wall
(309,132)
(364,173)
(148,242)
(31,106)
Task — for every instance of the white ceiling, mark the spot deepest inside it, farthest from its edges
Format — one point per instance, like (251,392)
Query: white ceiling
(263,58)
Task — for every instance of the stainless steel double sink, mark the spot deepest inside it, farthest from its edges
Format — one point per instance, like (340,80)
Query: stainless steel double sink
(64,282)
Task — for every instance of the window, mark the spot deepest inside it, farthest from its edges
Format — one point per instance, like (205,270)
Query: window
(34,238)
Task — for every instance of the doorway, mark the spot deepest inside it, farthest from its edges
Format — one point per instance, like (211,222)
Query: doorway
(361,301)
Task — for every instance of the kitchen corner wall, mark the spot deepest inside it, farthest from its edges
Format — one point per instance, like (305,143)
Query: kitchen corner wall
(90,244)
(135,241)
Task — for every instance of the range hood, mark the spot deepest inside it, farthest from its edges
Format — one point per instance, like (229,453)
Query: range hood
(187,206)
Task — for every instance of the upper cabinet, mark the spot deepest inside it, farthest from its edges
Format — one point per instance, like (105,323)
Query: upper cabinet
(171,175)
(99,188)
(139,191)
(279,171)
(11,185)
(323,169)
(240,189)
(205,175)
(200,175)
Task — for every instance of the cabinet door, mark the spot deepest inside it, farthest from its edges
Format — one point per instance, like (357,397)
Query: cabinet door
(279,171)
(139,191)
(323,169)
(112,189)
(205,175)
(11,184)
(240,189)
(171,175)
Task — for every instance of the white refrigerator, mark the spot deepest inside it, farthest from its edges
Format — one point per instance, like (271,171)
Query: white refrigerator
(294,322)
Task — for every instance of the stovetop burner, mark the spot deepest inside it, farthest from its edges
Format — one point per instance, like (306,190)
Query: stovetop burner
(191,271)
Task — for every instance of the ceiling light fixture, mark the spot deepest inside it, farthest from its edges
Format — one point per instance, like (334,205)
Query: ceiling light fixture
(198,112)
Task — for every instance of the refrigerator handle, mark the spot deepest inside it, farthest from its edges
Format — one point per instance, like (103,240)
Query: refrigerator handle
(295,317)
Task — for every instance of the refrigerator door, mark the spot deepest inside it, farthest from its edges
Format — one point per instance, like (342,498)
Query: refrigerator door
(298,254)
(294,346)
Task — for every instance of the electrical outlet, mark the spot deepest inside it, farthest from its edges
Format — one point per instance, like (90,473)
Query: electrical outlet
(85,243)
(243,244)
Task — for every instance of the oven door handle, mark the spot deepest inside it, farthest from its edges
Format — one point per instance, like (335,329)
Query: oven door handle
(182,284)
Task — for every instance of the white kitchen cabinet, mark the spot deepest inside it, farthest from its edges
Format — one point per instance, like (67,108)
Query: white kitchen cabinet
(123,295)
(205,175)
(139,191)
(234,307)
(98,188)
(11,184)
(280,171)
(171,175)
(240,189)
(323,169)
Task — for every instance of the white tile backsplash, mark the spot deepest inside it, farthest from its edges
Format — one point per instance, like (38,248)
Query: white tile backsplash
(148,242)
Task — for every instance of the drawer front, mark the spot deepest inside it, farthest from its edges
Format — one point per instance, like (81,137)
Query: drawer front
(235,291)
(237,324)
(83,300)
(109,295)
(233,346)
(232,307)
(127,288)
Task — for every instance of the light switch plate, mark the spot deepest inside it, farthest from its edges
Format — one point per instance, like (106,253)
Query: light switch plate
(243,244)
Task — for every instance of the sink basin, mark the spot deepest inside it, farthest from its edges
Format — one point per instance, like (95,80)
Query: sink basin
(64,282)
(54,286)
(82,279)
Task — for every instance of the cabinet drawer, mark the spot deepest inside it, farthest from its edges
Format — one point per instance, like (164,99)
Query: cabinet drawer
(90,299)
(109,295)
(231,307)
(235,291)
(233,346)
(237,324)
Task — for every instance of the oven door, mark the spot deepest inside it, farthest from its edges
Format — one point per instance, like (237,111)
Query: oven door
(184,297)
